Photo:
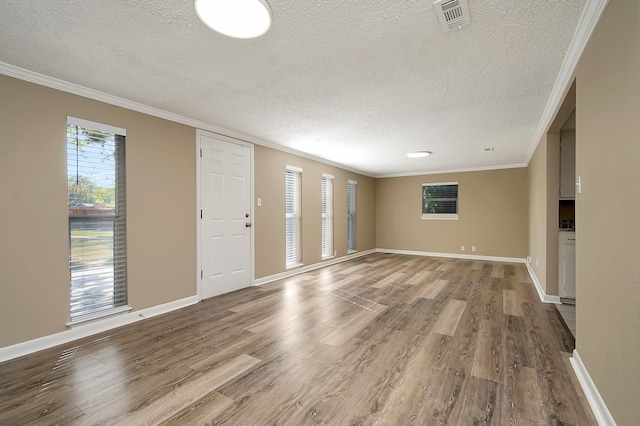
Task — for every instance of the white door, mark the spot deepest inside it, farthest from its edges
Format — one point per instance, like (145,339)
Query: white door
(225,200)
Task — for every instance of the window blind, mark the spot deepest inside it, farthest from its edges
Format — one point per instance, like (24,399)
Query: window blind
(440,200)
(351,215)
(293,216)
(327,216)
(97,220)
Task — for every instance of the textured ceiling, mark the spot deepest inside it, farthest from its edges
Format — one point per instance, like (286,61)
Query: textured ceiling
(357,82)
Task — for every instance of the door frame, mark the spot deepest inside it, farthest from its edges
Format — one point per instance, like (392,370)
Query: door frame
(239,142)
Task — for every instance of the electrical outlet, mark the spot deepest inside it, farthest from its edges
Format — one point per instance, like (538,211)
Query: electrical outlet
(529,260)
(473,248)
(461,248)
(335,253)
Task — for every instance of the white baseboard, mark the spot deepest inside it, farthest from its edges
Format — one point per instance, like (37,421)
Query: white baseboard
(599,408)
(544,297)
(453,255)
(88,329)
(303,269)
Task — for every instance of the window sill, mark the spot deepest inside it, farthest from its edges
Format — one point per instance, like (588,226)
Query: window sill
(440,217)
(328,257)
(294,266)
(98,315)
(351,251)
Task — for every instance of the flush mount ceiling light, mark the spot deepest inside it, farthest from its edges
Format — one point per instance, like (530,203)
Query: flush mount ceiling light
(419,154)
(235,18)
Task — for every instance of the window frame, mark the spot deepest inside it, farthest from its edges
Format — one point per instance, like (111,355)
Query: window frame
(81,221)
(295,261)
(326,214)
(352,216)
(441,216)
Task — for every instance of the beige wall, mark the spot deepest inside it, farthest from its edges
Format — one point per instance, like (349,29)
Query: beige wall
(537,181)
(607,211)
(161,223)
(270,165)
(544,184)
(492,208)
(544,192)
(160,166)
(161,201)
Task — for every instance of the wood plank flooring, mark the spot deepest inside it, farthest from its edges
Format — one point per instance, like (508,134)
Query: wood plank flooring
(381,340)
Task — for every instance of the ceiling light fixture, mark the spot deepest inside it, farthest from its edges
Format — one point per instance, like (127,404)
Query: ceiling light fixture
(419,154)
(235,18)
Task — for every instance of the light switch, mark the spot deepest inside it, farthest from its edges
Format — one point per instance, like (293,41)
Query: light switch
(579,185)
(259,202)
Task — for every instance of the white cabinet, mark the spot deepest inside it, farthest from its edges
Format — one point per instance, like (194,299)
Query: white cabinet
(567,166)
(567,267)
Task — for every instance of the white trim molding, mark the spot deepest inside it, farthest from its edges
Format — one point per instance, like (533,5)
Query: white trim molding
(599,408)
(544,297)
(303,269)
(453,255)
(84,330)
(73,121)
(76,89)
(99,315)
(590,16)
(460,170)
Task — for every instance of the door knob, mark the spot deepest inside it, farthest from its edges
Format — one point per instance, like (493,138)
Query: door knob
(248,224)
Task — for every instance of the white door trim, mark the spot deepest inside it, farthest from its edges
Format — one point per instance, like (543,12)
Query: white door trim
(249,145)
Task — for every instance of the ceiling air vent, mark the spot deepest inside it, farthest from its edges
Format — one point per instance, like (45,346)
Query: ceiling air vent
(452,13)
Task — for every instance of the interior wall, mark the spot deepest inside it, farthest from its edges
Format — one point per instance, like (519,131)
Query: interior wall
(544,189)
(160,167)
(270,167)
(552,212)
(538,206)
(492,207)
(607,220)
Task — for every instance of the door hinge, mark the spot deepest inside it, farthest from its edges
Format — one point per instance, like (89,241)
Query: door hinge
(200,152)
(200,214)
(201,275)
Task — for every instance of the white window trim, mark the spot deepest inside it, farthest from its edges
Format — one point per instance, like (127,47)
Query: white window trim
(79,122)
(297,170)
(355,184)
(99,315)
(73,121)
(332,255)
(442,216)
(293,168)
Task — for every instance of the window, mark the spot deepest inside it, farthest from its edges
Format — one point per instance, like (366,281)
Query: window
(327,216)
(97,222)
(293,216)
(351,216)
(440,200)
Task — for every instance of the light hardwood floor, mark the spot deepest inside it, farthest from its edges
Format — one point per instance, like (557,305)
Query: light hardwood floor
(381,340)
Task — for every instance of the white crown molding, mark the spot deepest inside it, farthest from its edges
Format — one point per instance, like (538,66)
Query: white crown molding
(76,89)
(84,330)
(600,411)
(464,170)
(590,16)
(303,269)
(544,297)
(453,255)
